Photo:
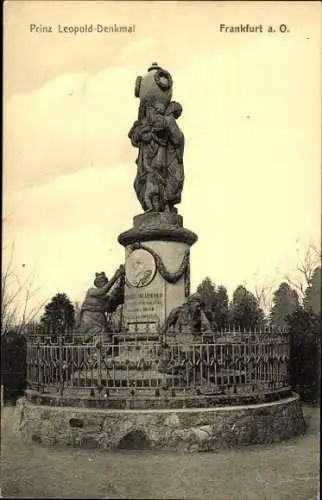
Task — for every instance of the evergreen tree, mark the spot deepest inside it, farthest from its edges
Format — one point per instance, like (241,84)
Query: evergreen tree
(207,291)
(244,310)
(285,302)
(59,314)
(221,307)
(312,297)
(215,303)
(305,353)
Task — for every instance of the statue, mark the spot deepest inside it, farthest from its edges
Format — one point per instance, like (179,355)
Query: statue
(160,174)
(102,299)
(190,315)
(191,318)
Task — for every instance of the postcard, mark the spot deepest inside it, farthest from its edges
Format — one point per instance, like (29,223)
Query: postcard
(161,194)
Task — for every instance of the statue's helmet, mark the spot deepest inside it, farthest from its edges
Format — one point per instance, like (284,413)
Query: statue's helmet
(195,298)
(100,278)
(156,85)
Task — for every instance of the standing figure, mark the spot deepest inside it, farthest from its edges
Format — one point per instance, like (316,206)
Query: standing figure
(150,181)
(160,176)
(102,299)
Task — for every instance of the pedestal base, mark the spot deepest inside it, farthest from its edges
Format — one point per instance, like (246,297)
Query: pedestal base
(157,265)
(157,226)
(207,429)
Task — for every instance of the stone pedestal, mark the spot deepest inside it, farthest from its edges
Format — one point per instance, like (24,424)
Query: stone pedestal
(185,429)
(157,265)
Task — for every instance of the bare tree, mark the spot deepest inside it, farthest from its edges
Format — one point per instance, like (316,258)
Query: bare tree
(263,291)
(307,263)
(16,297)
(264,295)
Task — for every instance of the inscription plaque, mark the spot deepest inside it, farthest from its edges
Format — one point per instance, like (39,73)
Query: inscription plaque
(144,306)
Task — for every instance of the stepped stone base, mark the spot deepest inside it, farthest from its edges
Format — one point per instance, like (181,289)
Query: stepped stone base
(188,429)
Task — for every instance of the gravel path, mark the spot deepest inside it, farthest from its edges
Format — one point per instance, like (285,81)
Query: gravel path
(285,471)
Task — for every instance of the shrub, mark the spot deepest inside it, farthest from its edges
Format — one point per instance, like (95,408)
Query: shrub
(13,365)
(305,353)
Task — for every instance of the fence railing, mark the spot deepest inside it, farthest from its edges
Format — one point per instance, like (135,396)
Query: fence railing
(149,328)
(141,364)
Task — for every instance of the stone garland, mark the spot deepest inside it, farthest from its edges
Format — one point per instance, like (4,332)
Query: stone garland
(187,280)
(184,269)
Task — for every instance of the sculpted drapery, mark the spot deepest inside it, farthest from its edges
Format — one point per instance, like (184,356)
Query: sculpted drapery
(160,173)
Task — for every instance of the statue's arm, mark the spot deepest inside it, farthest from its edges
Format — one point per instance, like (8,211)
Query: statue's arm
(171,320)
(137,133)
(134,134)
(100,292)
(115,297)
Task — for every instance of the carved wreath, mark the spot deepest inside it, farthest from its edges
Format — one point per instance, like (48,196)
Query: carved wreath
(163,79)
(184,269)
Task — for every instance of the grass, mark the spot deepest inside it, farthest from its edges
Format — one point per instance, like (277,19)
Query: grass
(284,471)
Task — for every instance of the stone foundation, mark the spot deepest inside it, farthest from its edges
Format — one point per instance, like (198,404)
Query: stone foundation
(207,429)
(147,399)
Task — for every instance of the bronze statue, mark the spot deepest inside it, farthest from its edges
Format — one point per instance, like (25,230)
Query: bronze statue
(160,174)
(102,299)
(190,316)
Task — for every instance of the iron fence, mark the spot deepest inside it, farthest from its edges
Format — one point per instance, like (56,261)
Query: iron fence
(140,363)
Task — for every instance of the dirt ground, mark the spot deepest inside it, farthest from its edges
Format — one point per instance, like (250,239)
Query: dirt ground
(285,471)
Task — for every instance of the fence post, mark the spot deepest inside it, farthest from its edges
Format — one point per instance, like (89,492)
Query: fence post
(39,367)
(99,362)
(61,371)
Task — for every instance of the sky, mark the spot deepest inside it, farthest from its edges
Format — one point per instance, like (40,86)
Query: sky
(251,120)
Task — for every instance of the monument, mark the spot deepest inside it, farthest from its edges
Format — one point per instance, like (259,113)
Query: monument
(157,248)
(165,380)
